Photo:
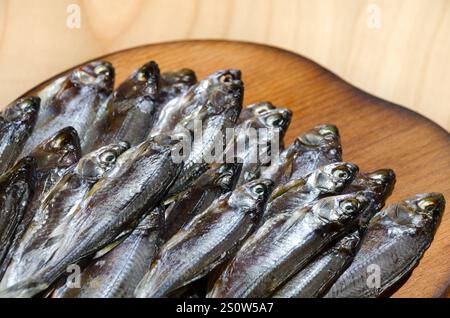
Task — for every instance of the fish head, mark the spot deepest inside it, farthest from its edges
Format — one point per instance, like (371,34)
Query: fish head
(98,74)
(340,209)
(349,243)
(252,196)
(324,137)
(95,164)
(143,83)
(278,119)
(333,177)
(225,93)
(382,181)
(179,79)
(23,172)
(260,108)
(226,175)
(61,150)
(422,211)
(254,110)
(176,83)
(24,110)
(146,79)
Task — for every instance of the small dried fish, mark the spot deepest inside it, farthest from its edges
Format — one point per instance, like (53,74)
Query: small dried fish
(211,185)
(392,246)
(129,112)
(16,188)
(174,84)
(117,273)
(114,205)
(36,246)
(206,98)
(317,277)
(210,237)
(284,244)
(218,111)
(17,123)
(379,184)
(53,157)
(254,138)
(324,181)
(76,103)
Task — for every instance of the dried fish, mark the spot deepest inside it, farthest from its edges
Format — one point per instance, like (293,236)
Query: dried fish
(316,278)
(210,237)
(284,244)
(16,188)
(76,103)
(395,241)
(36,246)
(17,123)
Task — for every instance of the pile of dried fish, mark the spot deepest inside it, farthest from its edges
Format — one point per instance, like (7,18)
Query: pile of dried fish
(93,203)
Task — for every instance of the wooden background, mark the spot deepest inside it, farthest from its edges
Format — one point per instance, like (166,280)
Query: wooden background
(395,49)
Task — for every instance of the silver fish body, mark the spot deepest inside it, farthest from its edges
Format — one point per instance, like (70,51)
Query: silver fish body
(202,100)
(38,241)
(210,237)
(280,169)
(53,157)
(16,188)
(129,112)
(324,181)
(211,185)
(379,184)
(394,242)
(318,147)
(75,104)
(115,204)
(254,139)
(17,123)
(218,112)
(284,244)
(117,273)
(317,277)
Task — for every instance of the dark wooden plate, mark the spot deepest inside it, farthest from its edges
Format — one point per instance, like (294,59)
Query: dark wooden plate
(375,133)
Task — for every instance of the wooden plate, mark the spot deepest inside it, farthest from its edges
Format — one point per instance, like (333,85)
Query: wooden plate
(375,133)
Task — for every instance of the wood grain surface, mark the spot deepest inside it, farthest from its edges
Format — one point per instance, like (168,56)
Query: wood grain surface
(397,50)
(375,133)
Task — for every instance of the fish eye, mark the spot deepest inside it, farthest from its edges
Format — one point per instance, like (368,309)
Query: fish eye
(259,189)
(275,120)
(25,105)
(426,204)
(349,205)
(83,77)
(58,142)
(260,109)
(101,69)
(141,76)
(108,157)
(341,173)
(327,131)
(226,78)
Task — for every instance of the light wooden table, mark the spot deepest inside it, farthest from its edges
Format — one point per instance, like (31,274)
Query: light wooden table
(395,49)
